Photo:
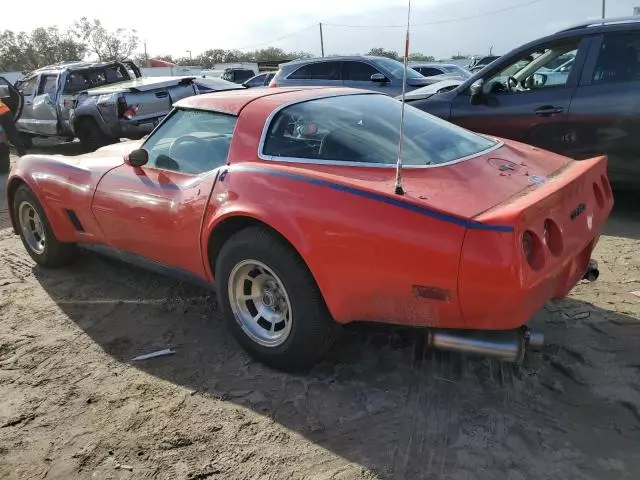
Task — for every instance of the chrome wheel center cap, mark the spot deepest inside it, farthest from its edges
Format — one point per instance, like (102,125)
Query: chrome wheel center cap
(269,299)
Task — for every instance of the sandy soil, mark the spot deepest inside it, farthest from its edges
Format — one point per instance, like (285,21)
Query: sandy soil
(74,406)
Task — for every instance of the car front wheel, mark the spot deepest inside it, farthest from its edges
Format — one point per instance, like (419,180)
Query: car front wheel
(36,232)
(271,301)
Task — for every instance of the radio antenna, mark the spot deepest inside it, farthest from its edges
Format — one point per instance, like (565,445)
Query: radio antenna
(398,188)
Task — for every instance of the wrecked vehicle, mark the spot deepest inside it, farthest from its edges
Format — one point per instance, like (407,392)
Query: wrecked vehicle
(283,200)
(133,109)
(49,94)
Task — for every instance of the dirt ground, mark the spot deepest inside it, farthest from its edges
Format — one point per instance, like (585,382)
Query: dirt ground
(74,406)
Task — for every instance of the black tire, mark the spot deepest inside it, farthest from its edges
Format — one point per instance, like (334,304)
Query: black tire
(56,254)
(5,158)
(27,140)
(312,328)
(91,136)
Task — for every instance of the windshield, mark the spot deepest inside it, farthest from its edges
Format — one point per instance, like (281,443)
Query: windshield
(366,129)
(457,70)
(395,68)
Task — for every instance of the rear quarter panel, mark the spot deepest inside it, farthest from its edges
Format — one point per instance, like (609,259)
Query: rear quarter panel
(367,256)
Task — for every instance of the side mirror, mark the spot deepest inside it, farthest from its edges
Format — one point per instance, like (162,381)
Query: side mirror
(4,91)
(379,78)
(476,89)
(137,158)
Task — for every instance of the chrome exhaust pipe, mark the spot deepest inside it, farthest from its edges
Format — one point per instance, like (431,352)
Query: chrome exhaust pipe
(505,345)
(592,272)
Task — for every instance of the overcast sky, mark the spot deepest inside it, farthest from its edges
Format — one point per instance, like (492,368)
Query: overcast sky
(175,27)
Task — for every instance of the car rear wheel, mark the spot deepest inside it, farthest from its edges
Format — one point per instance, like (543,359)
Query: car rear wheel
(27,140)
(91,136)
(36,233)
(271,301)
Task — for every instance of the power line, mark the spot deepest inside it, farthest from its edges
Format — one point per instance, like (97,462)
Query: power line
(459,19)
(277,39)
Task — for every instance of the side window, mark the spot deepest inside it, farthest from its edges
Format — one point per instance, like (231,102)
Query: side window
(191,141)
(48,84)
(244,75)
(318,71)
(357,129)
(28,87)
(618,60)
(546,67)
(257,81)
(358,71)
(429,71)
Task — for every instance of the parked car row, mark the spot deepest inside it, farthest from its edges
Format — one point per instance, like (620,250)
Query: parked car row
(100,103)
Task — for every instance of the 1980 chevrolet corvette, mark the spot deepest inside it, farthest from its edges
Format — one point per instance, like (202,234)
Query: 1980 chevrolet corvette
(285,199)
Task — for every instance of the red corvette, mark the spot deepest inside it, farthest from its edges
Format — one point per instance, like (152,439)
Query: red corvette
(284,198)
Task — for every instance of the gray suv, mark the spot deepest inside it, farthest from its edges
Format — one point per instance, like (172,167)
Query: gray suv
(380,74)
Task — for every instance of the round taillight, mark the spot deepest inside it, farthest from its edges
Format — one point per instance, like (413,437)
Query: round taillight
(552,237)
(598,194)
(532,250)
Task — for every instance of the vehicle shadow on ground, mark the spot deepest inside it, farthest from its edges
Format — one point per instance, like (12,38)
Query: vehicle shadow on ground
(625,217)
(381,399)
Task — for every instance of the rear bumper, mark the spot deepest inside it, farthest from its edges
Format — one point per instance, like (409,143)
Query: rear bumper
(499,288)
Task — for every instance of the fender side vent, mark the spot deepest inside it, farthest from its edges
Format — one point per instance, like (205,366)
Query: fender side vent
(75,220)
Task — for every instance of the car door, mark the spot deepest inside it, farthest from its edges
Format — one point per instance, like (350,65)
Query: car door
(45,109)
(604,115)
(27,88)
(323,73)
(517,102)
(357,74)
(14,101)
(154,213)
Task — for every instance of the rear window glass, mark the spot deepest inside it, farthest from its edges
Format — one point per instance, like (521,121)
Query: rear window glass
(366,129)
(80,80)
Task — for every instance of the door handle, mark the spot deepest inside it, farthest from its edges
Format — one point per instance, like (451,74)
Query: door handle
(548,110)
(163,94)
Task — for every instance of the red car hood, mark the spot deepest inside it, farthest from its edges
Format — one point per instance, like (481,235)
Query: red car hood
(103,159)
(466,188)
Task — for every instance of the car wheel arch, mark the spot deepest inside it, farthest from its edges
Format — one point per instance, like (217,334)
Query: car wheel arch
(224,228)
(12,187)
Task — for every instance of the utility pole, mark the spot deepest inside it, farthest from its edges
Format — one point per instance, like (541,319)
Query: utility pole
(603,7)
(190,57)
(321,40)
(146,57)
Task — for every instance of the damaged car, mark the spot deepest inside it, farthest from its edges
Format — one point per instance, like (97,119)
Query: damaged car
(49,93)
(134,108)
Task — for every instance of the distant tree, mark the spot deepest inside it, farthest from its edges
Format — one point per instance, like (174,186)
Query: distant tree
(420,57)
(106,45)
(43,46)
(381,52)
(209,58)
(459,57)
